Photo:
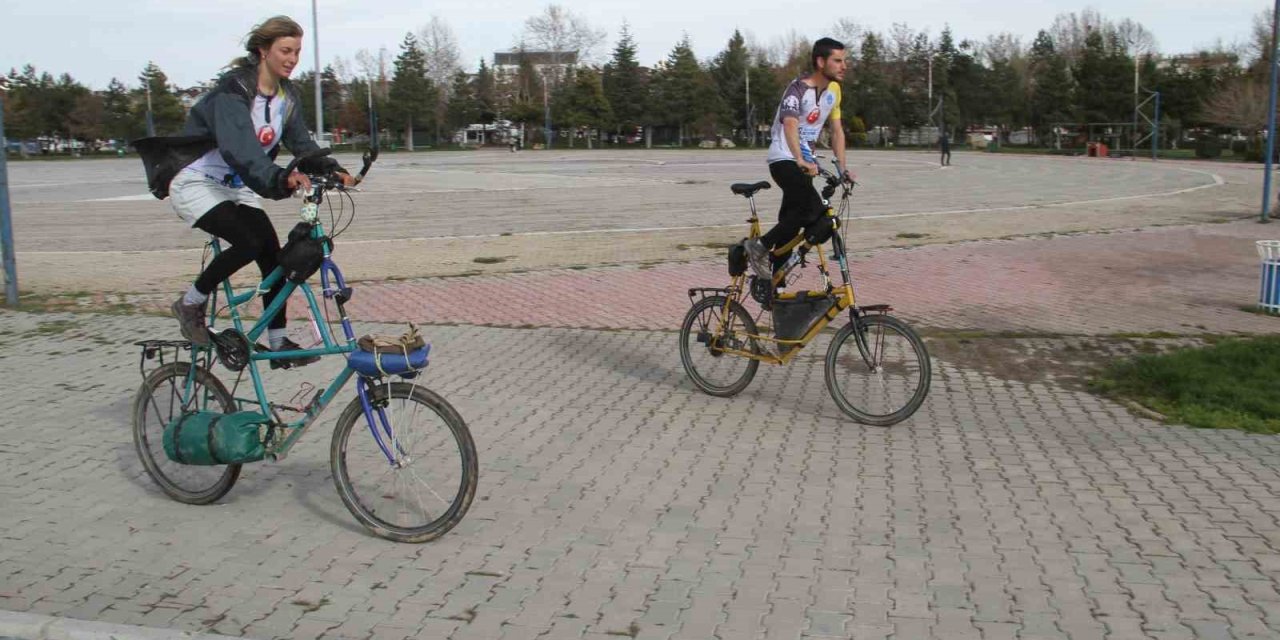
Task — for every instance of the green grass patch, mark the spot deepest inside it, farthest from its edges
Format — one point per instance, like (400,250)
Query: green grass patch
(1228,385)
(491,259)
(909,235)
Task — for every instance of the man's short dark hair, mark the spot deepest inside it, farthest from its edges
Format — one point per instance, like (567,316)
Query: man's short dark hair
(823,48)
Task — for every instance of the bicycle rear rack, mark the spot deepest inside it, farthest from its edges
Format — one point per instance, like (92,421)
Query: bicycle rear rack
(151,349)
(697,294)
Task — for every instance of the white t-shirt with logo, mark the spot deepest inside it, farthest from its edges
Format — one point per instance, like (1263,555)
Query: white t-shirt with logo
(268,122)
(811,110)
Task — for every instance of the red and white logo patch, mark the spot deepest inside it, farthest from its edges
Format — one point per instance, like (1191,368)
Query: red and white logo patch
(813,116)
(267,135)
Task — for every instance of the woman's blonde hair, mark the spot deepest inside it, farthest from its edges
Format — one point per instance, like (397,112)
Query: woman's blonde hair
(263,36)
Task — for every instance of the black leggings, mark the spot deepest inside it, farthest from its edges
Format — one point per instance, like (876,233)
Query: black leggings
(801,204)
(252,239)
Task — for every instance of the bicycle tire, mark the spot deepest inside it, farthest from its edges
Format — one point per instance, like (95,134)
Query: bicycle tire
(361,501)
(148,442)
(688,349)
(914,383)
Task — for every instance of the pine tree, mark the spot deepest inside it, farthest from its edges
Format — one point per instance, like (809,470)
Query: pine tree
(464,106)
(729,69)
(117,116)
(485,89)
(1051,93)
(686,93)
(624,85)
(585,104)
(166,111)
(412,100)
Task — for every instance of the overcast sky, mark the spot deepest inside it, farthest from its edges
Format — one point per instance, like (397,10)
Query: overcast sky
(191,39)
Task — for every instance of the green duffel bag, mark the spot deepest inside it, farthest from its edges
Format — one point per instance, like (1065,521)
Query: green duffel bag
(209,437)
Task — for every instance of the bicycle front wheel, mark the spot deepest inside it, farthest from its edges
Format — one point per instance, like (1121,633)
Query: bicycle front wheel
(422,483)
(167,393)
(707,331)
(886,380)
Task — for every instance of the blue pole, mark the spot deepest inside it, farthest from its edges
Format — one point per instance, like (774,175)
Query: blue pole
(1271,118)
(1155,131)
(6,220)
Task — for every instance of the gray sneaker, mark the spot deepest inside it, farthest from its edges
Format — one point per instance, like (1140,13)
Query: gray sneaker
(758,258)
(191,322)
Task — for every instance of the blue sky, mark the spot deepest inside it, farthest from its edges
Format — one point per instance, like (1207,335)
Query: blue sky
(190,40)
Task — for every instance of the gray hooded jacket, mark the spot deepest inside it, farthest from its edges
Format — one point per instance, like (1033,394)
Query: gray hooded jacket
(222,116)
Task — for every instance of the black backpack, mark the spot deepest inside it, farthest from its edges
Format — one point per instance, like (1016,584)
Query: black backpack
(164,156)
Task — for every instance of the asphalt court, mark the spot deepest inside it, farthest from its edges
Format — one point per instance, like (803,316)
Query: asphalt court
(102,205)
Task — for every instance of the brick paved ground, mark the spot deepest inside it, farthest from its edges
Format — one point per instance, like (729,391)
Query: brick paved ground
(1186,280)
(616,500)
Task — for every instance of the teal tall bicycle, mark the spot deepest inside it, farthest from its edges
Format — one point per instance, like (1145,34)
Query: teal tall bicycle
(401,456)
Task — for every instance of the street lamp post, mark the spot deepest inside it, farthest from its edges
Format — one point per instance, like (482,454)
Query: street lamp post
(315,45)
(6,219)
(1271,117)
(151,123)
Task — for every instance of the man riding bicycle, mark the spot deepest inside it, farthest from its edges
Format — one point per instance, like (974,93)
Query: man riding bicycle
(807,104)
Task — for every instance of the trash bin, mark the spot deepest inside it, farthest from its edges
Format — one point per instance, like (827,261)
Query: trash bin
(1269,292)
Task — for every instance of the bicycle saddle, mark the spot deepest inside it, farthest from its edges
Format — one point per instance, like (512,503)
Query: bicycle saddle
(748,190)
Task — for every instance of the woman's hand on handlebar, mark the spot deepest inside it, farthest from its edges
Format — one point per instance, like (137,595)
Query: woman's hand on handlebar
(345,178)
(298,180)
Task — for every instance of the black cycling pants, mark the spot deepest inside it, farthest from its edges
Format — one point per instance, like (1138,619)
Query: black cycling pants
(252,238)
(801,204)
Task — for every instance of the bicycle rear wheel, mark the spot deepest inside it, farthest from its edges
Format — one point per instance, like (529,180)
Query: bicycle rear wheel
(429,485)
(705,335)
(887,382)
(158,402)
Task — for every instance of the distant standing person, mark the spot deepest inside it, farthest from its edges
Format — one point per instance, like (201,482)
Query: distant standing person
(945,144)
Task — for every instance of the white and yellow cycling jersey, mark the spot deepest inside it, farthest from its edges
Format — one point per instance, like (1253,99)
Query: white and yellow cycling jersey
(811,109)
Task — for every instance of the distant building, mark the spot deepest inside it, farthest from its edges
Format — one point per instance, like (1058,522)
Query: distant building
(546,63)
(1200,61)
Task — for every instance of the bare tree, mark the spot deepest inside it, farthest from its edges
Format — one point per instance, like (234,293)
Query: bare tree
(849,33)
(1241,104)
(1003,48)
(1260,41)
(374,69)
(440,46)
(558,30)
(1070,29)
(1140,41)
(791,52)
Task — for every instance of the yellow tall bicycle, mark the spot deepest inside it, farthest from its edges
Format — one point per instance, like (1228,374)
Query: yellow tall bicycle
(877,367)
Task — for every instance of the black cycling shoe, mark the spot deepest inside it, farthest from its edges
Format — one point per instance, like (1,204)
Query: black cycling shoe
(289,363)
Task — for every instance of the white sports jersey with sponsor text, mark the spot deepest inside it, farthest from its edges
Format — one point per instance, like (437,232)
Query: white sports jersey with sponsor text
(811,110)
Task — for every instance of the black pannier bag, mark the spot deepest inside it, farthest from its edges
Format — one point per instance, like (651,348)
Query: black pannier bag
(820,230)
(737,259)
(792,317)
(163,157)
(302,255)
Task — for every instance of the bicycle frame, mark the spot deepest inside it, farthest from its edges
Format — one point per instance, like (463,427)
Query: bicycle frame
(844,295)
(333,286)
(330,274)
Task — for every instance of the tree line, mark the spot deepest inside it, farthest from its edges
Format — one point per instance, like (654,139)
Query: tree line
(1079,69)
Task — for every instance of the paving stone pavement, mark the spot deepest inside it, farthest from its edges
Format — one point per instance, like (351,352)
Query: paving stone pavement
(1182,279)
(616,500)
